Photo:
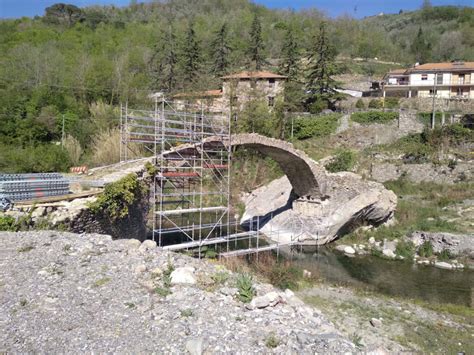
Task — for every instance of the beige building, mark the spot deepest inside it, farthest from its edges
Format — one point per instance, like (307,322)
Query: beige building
(237,90)
(453,80)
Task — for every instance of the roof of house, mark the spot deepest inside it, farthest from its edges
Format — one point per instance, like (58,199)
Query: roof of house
(208,93)
(254,75)
(448,66)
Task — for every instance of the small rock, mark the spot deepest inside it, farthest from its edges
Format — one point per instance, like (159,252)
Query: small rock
(376,323)
(140,268)
(183,275)
(156,272)
(349,250)
(372,240)
(443,265)
(306,274)
(388,253)
(196,346)
(133,244)
(147,245)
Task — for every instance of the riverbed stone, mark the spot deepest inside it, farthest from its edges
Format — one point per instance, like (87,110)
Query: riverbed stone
(349,250)
(443,265)
(375,322)
(183,275)
(147,245)
(389,253)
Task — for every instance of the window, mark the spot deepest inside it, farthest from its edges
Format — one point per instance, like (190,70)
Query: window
(271,83)
(271,101)
(439,79)
(433,92)
(424,76)
(461,79)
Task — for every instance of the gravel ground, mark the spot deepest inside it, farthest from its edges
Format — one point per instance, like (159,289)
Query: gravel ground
(62,292)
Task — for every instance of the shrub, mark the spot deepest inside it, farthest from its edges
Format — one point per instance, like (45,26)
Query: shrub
(374,117)
(391,102)
(73,148)
(271,341)
(117,197)
(445,255)
(426,249)
(34,159)
(245,287)
(307,127)
(343,161)
(360,104)
(375,103)
(7,223)
(405,248)
(285,276)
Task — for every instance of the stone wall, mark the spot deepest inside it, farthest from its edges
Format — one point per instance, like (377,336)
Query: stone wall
(441,174)
(441,105)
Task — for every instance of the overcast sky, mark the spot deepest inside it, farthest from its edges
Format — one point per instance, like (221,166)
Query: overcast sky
(356,8)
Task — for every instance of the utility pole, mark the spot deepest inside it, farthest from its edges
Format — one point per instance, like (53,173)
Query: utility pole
(433,113)
(62,133)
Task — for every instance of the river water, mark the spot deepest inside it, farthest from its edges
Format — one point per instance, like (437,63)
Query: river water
(394,278)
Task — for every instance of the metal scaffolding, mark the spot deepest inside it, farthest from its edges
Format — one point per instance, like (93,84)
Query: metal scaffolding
(190,192)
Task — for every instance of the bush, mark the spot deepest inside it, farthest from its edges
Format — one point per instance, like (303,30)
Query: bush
(34,159)
(285,276)
(391,102)
(405,248)
(360,104)
(445,255)
(426,249)
(375,103)
(74,149)
(245,287)
(320,126)
(7,223)
(343,161)
(117,197)
(374,117)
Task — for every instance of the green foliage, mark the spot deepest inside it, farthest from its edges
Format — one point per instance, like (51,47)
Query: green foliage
(285,276)
(272,341)
(256,46)
(191,56)
(445,255)
(117,197)
(391,102)
(8,223)
(344,160)
(221,51)
(375,103)
(319,126)
(244,283)
(185,313)
(406,249)
(360,104)
(374,117)
(34,159)
(151,169)
(426,249)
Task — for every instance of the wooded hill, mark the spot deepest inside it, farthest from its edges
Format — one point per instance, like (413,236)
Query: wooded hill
(77,64)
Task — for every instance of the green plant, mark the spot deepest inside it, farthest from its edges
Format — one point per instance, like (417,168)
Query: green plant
(391,102)
(426,249)
(101,282)
(162,291)
(151,169)
(360,104)
(374,117)
(167,274)
(188,312)
(284,276)
(130,305)
(210,254)
(445,255)
(245,286)
(357,340)
(375,103)
(25,249)
(118,197)
(220,277)
(319,126)
(343,161)
(405,248)
(272,341)
(8,223)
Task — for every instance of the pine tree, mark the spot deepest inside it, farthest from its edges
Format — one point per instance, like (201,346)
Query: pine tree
(290,56)
(256,46)
(221,50)
(421,48)
(320,85)
(191,56)
(163,63)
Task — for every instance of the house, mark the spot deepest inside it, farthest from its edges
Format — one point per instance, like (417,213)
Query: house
(451,80)
(237,90)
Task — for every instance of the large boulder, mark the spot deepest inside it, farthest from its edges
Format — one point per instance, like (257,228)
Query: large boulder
(349,202)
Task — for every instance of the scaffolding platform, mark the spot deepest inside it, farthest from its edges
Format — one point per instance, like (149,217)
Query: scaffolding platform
(211,241)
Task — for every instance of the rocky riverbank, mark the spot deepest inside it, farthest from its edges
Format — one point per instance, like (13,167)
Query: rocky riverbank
(63,292)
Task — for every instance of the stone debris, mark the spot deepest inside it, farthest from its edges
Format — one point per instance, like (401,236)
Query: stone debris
(69,293)
(443,265)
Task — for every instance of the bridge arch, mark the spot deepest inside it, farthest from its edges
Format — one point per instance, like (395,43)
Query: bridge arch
(305,175)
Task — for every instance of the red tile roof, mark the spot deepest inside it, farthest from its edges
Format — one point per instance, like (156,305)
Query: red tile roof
(208,93)
(254,75)
(448,66)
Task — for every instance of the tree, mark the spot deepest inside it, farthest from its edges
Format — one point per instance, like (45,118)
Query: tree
(221,50)
(421,48)
(320,86)
(256,46)
(290,55)
(163,63)
(63,13)
(191,56)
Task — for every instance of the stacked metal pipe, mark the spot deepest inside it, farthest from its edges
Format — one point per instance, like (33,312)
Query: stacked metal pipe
(20,187)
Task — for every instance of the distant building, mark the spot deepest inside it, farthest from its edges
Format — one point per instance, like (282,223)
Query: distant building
(453,80)
(237,90)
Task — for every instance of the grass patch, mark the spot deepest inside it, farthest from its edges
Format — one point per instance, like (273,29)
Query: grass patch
(185,313)
(371,117)
(8,224)
(344,160)
(25,249)
(272,341)
(314,127)
(406,249)
(426,249)
(101,282)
